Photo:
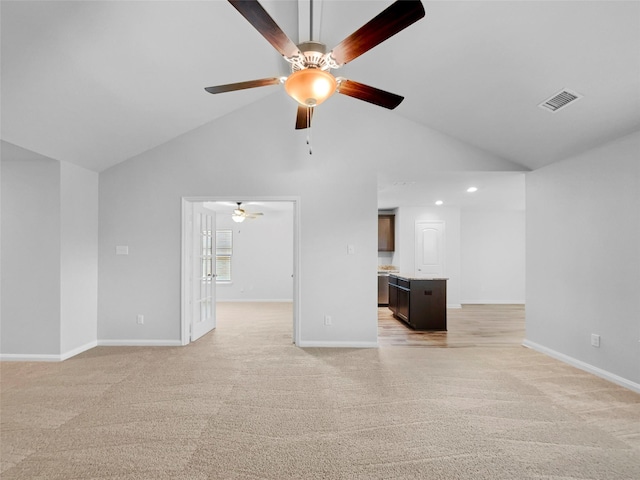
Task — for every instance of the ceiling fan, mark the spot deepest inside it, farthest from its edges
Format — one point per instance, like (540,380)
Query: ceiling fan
(240,214)
(311,82)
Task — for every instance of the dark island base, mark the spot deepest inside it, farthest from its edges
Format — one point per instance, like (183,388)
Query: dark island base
(407,324)
(420,303)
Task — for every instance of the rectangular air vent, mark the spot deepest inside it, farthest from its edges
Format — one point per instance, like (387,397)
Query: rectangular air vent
(560,100)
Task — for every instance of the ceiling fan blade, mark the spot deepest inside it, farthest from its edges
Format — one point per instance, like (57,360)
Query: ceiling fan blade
(303,119)
(369,94)
(398,16)
(257,16)
(230,87)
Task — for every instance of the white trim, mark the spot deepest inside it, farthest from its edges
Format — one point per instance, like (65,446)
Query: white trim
(139,343)
(185,327)
(254,300)
(338,344)
(297,271)
(612,377)
(454,305)
(19,357)
(78,350)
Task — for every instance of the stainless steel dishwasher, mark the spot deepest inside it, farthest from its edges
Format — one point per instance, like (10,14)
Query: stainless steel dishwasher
(383,289)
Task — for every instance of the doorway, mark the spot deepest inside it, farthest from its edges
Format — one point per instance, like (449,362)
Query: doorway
(257,258)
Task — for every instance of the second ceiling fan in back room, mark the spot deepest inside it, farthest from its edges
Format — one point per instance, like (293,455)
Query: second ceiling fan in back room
(311,81)
(240,214)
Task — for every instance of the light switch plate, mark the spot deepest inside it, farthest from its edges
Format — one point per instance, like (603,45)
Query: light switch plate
(122,250)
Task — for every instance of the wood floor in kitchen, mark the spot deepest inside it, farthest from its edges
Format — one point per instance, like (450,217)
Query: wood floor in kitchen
(469,326)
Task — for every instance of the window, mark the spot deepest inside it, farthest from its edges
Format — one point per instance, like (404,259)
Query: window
(224,250)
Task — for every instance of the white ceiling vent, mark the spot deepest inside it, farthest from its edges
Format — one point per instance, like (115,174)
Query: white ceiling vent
(560,100)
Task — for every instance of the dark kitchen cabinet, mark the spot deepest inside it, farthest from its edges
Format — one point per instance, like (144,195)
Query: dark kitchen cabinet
(403,304)
(393,296)
(386,233)
(420,303)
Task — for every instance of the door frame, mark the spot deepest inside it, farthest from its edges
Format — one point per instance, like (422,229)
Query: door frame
(185,337)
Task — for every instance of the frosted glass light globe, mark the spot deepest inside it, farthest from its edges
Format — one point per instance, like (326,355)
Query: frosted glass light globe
(310,87)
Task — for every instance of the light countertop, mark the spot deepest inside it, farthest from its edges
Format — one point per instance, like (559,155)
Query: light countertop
(413,277)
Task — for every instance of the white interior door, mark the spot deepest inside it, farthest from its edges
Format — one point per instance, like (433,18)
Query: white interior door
(203,271)
(430,249)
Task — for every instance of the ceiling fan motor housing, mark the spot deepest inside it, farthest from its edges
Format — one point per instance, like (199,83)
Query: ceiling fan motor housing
(314,57)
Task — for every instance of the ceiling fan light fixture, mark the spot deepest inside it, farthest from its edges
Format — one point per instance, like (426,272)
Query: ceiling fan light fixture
(311,86)
(237,218)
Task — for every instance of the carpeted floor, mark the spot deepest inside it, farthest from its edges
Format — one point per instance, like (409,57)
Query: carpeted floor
(244,403)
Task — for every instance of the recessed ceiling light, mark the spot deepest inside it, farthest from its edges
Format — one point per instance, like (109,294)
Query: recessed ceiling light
(439,202)
(472,189)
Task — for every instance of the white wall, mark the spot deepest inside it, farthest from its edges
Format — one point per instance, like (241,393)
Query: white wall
(492,256)
(406,220)
(262,260)
(78,259)
(49,257)
(583,259)
(256,152)
(30,321)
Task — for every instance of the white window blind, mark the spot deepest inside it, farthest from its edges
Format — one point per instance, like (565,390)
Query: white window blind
(224,250)
(224,242)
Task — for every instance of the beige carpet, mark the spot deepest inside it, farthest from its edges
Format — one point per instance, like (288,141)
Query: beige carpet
(243,403)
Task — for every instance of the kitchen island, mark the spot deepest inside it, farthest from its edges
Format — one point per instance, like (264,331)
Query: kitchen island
(421,303)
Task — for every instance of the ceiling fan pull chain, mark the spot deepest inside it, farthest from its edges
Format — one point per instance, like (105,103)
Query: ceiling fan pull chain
(309,130)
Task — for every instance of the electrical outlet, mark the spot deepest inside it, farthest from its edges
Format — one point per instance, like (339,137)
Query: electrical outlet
(140,319)
(328,320)
(595,340)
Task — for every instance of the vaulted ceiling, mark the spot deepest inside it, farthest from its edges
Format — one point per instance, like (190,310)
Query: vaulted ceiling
(95,83)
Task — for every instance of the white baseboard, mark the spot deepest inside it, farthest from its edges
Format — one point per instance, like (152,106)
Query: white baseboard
(254,300)
(612,377)
(454,305)
(26,357)
(76,351)
(337,344)
(33,357)
(21,357)
(139,343)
